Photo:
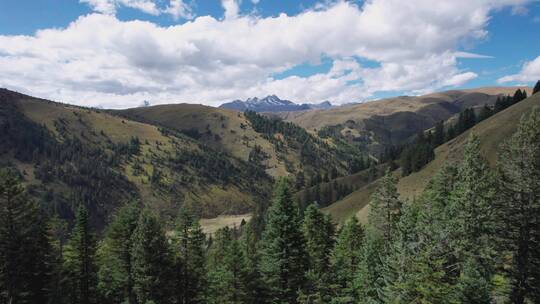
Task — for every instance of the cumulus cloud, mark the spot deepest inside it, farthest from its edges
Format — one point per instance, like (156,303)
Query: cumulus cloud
(231,7)
(176,8)
(529,72)
(100,60)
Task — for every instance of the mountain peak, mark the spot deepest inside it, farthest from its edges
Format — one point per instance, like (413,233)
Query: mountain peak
(270,103)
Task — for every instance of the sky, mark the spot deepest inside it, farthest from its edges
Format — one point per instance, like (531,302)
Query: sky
(120,53)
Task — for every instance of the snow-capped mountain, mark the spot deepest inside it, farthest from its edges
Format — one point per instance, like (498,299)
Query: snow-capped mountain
(271,103)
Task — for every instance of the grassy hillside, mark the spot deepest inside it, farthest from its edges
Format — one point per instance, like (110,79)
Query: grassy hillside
(220,129)
(69,154)
(492,132)
(394,120)
(280,148)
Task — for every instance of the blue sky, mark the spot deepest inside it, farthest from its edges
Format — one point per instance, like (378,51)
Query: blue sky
(93,53)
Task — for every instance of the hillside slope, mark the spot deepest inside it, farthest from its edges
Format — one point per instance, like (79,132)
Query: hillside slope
(280,148)
(394,120)
(492,132)
(68,155)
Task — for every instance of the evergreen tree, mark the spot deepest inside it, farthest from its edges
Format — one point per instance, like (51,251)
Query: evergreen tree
(319,235)
(24,246)
(485,112)
(227,276)
(254,284)
(115,257)
(473,286)
(519,95)
(369,282)
(451,133)
(520,206)
(385,208)
(473,213)
(406,164)
(151,261)
(536,88)
(79,261)
(190,259)
(58,234)
(300,180)
(345,260)
(416,269)
(438,136)
(283,260)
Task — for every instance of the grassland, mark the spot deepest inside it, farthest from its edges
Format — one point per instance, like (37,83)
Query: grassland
(210,226)
(178,186)
(492,132)
(221,129)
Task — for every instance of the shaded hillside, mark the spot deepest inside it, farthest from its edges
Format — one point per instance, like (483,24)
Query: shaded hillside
(391,121)
(492,132)
(331,191)
(69,154)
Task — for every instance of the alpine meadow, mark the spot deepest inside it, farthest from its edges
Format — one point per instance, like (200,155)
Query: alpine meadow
(269,152)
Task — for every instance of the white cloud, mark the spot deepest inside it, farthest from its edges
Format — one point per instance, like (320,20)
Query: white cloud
(100,60)
(471,55)
(176,8)
(101,6)
(232,7)
(519,10)
(530,72)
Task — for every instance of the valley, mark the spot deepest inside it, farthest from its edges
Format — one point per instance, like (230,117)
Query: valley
(338,168)
(215,184)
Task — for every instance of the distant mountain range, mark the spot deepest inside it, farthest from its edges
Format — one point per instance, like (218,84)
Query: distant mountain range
(272,103)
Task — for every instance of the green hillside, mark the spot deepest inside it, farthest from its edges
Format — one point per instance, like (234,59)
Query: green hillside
(280,148)
(492,132)
(378,124)
(69,155)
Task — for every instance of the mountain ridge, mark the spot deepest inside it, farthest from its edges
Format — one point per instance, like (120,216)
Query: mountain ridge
(271,103)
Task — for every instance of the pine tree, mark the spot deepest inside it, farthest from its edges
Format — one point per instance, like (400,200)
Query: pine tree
(190,259)
(416,270)
(319,233)
(438,137)
(151,261)
(227,275)
(345,260)
(385,208)
(475,192)
(485,112)
(115,256)
(249,247)
(473,286)
(473,211)
(520,206)
(24,246)
(369,282)
(451,133)
(79,260)
(406,163)
(283,260)
(519,95)
(536,88)
(58,234)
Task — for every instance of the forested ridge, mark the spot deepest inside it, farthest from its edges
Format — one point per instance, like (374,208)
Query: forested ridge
(471,237)
(78,155)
